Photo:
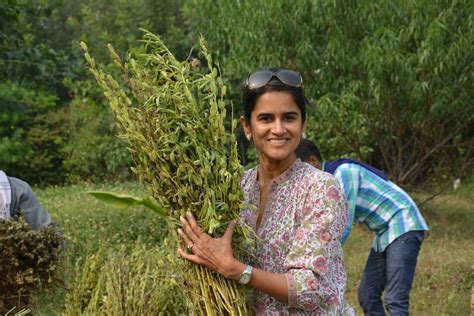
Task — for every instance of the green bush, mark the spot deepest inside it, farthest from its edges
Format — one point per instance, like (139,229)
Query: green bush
(29,141)
(93,151)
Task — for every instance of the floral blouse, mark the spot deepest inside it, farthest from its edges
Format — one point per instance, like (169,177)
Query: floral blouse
(299,235)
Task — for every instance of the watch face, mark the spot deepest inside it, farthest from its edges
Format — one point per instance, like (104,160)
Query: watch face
(245,278)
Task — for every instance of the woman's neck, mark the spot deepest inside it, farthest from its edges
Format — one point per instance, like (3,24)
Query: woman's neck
(271,169)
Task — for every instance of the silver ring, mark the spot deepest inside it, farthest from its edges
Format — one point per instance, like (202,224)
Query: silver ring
(190,247)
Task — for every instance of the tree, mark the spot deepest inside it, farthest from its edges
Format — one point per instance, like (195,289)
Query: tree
(389,82)
(54,122)
(30,81)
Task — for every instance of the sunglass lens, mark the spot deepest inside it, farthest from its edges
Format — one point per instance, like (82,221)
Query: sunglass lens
(259,78)
(290,78)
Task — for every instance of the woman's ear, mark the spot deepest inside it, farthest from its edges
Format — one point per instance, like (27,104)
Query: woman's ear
(303,130)
(246,127)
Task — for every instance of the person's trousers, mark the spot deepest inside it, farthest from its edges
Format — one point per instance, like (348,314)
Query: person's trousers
(392,270)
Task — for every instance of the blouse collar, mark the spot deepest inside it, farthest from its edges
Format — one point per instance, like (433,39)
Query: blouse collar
(286,175)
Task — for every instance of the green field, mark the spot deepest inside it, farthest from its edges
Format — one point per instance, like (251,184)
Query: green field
(443,282)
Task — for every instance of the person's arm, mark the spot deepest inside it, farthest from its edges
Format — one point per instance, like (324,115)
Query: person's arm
(314,264)
(24,200)
(350,181)
(216,253)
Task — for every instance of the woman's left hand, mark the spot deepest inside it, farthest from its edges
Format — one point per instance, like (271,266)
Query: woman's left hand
(214,253)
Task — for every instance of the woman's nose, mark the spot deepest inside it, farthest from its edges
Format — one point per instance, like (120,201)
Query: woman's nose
(279,127)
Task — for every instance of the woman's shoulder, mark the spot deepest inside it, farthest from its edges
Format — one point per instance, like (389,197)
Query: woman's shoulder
(314,176)
(249,175)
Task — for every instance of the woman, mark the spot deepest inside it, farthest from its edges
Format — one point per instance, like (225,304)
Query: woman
(300,211)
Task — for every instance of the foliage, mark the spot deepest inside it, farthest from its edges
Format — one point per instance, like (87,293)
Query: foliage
(141,281)
(390,82)
(31,74)
(172,118)
(40,55)
(25,147)
(93,151)
(90,227)
(29,260)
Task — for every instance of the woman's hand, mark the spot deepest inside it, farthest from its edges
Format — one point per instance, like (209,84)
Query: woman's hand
(214,253)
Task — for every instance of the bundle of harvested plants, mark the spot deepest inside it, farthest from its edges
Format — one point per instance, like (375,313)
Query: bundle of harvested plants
(172,116)
(29,261)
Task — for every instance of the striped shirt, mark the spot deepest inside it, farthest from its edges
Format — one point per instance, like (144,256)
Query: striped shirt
(382,205)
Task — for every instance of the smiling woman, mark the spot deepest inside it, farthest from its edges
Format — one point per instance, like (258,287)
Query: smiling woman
(276,127)
(297,212)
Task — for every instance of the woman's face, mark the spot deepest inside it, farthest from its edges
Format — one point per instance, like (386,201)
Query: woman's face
(276,126)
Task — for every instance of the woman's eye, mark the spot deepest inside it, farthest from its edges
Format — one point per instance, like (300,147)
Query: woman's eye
(290,118)
(265,118)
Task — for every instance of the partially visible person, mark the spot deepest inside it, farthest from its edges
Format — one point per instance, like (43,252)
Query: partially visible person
(299,214)
(392,215)
(17,196)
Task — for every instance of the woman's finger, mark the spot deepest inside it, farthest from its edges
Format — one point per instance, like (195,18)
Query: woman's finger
(196,259)
(193,224)
(229,230)
(188,230)
(187,242)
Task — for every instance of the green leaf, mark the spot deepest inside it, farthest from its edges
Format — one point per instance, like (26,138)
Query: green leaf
(124,201)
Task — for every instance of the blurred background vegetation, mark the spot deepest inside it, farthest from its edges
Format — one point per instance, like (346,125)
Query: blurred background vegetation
(390,82)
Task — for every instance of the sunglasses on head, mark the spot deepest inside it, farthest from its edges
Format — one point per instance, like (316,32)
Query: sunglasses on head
(260,78)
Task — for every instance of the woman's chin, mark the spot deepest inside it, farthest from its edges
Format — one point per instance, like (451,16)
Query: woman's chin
(279,155)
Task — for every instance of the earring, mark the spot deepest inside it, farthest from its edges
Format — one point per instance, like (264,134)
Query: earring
(248,136)
(304,135)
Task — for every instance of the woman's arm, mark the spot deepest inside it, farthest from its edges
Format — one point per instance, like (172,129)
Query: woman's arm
(217,254)
(315,266)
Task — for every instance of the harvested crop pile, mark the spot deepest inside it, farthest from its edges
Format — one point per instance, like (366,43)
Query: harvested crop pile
(29,260)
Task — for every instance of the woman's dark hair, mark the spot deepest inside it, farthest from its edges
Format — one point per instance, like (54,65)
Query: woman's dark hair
(250,96)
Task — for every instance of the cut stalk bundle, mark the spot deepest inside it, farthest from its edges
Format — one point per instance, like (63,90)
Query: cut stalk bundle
(172,118)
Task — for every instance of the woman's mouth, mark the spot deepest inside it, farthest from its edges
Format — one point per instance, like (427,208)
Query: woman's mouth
(278,141)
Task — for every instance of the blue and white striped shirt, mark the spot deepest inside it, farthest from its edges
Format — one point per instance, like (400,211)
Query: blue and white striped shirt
(382,205)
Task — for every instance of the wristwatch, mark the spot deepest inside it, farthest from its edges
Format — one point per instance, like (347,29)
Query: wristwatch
(246,275)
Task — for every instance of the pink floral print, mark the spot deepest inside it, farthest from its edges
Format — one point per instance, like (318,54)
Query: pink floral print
(299,234)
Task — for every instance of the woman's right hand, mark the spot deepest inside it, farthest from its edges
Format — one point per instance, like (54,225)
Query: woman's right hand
(214,253)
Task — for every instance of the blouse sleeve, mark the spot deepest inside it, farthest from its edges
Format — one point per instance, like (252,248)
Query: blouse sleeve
(314,265)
